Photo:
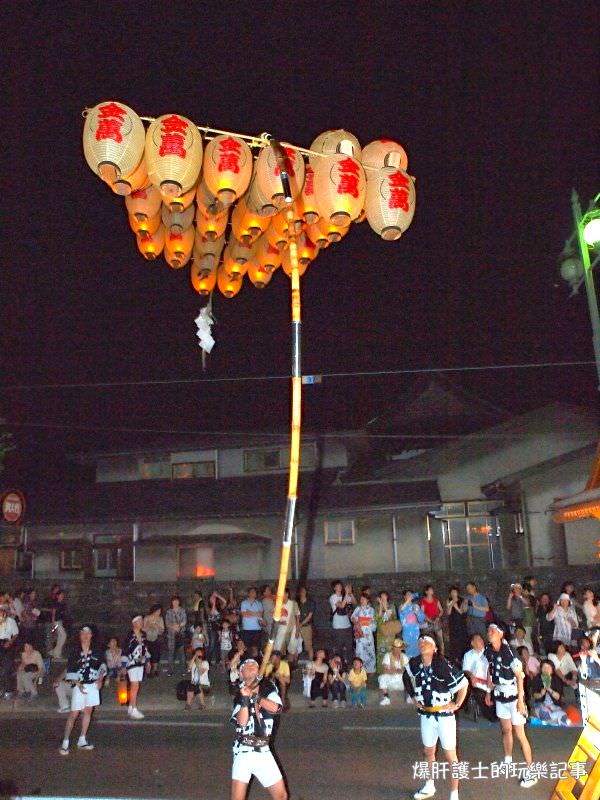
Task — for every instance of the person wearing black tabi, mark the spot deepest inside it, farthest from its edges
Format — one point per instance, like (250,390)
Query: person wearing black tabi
(438,689)
(255,707)
(506,690)
(86,669)
(136,661)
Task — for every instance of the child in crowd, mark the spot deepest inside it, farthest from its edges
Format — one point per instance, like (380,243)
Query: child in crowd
(113,659)
(337,682)
(199,681)
(357,678)
(520,639)
(226,640)
(198,638)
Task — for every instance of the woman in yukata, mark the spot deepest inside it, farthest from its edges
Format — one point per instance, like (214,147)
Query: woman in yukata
(412,616)
(363,619)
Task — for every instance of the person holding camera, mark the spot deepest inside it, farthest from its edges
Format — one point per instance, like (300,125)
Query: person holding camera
(342,603)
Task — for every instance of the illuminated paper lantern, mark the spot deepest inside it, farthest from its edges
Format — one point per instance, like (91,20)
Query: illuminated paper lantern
(241,251)
(203,282)
(334,233)
(177,221)
(227,168)
(268,173)
(260,203)
(211,227)
(178,248)
(113,140)
(144,203)
(335,141)
(277,232)
(144,227)
(138,179)
(259,275)
(152,246)
(173,154)
(383,153)
(228,286)
(247,225)
(340,188)
(181,203)
(391,201)
(231,266)
(206,253)
(267,256)
(208,203)
(317,236)
(310,211)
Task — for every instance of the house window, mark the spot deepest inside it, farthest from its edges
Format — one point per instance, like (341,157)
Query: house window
(155,469)
(195,561)
(276,459)
(70,559)
(340,531)
(194,469)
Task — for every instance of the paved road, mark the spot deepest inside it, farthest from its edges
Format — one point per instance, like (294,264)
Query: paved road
(326,753)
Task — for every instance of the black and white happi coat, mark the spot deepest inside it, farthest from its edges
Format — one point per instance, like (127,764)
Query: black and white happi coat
(260,722)
(503,666)
(85,667)
(135,653)
(434,685)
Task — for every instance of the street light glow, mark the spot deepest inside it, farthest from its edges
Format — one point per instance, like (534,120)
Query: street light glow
(591,231)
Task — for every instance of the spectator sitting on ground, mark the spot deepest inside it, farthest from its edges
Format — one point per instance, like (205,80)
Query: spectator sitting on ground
(547,692)
(278,670)
(199,681)
(64,692)
(337,682)
(520,639)
(317,671)
(29,671)
(357,678)
(589,664)
(393,665)
(564,665)
(113,659)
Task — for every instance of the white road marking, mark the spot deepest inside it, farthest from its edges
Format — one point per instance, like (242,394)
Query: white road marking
(391,728)
(160,723)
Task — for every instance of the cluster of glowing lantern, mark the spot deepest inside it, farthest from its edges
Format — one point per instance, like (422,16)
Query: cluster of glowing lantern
(224,213)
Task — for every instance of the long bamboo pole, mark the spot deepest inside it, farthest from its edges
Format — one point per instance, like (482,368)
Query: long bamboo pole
(296,424)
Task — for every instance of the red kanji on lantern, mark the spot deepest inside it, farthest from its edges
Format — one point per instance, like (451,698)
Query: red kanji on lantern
(173,129)
(174,237)
(229,155)
(349,173)
(110,120)
(309,183)
(398,184)
(139,194)
(288,160)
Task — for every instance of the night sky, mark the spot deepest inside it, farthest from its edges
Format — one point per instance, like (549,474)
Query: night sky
(497,106)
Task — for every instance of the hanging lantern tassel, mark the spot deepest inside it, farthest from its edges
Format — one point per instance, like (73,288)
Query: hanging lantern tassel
(391,201)
(204,322)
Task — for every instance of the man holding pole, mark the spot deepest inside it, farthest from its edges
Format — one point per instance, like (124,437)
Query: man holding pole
(438,689)
(256,705)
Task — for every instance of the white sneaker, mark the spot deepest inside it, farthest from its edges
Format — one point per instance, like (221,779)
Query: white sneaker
(85,745)
(135,714)
(428,790)
(63,710)
(528,781)
(385,701)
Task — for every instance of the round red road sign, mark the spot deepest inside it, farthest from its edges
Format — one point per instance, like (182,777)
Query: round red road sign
(13,507)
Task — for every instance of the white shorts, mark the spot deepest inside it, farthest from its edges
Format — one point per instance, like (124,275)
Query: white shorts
(442,728)
(393,683)
(91,698)
(262,765)
(136,674)
(509,711)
